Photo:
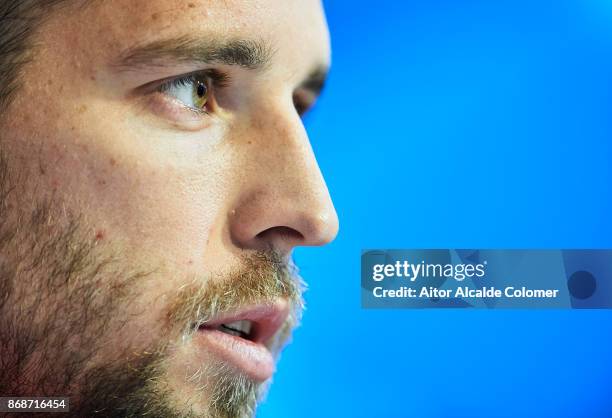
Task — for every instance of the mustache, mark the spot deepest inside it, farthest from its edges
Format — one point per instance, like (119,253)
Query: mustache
(260,279)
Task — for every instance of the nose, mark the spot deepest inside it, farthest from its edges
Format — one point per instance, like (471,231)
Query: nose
(283,201)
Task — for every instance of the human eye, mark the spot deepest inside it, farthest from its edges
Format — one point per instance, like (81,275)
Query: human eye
(192,91)
(187,101)
(303,101)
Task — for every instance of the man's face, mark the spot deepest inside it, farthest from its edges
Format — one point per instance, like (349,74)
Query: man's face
(157,176)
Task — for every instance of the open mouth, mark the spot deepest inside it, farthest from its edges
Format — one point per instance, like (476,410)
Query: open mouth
(241,339)
(243,329)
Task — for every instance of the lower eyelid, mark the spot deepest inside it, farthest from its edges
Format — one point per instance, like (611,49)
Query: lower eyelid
(177,112)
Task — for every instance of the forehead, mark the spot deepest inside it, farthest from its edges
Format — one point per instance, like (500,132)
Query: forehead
(286,25)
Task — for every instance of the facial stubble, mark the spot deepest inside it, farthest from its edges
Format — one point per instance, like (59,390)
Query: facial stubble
(63,293)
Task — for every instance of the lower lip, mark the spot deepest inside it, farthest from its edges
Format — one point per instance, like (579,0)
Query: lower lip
(253,359)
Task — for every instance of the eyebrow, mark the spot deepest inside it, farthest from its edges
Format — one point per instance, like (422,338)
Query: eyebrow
(245,53)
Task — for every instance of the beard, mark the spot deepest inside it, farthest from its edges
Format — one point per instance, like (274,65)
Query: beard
(69,305)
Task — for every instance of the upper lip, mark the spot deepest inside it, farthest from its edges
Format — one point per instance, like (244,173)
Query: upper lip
(266,320)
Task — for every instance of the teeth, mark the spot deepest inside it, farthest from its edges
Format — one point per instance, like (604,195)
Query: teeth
(242,327)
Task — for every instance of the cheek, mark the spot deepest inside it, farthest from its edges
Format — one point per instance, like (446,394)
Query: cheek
(160,204)
(166,212)
(170,213)
(158,194)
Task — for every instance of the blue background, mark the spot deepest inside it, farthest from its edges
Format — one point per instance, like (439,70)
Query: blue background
(457,124)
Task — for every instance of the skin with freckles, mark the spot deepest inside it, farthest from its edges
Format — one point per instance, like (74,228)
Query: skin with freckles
(156,173)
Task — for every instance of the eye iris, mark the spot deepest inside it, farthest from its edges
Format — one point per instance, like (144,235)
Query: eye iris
(201,94)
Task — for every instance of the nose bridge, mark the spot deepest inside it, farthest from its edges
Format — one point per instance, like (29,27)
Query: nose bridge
(290,161)
(284,198)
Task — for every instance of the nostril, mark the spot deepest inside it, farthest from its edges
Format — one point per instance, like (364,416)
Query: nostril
(284,233)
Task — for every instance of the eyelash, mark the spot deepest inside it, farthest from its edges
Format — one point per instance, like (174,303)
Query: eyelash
(219,79)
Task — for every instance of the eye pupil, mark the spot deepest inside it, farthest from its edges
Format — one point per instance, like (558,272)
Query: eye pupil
(201,90)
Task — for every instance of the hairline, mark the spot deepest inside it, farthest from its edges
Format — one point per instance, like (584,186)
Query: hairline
(20,23)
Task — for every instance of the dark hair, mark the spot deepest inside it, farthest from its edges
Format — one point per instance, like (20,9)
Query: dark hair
(18,20)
